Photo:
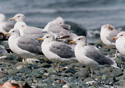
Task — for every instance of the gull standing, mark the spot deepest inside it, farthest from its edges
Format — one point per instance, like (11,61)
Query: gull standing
(120,42)
(108,31)
(23,46)
(90,56)
(56,51)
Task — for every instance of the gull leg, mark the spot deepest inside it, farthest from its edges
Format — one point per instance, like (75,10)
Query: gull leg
(116,54)
(89,69)
(92,73)
(107,47)
(57,66)
(24,60)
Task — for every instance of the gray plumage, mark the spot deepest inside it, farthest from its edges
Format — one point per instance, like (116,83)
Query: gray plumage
(59,31)
(29,45)
(2,50)
(95,54)
(112,34)
(62,50)
(7,26)
(34,30)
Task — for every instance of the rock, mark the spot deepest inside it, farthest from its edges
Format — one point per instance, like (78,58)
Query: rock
(76,28)
(51,70)
(82,73)
(70,70)
(66,86)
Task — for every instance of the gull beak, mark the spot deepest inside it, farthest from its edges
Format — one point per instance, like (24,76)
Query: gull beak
(7,34)
(11,19)
(41,39)
(72,42)
(114,38)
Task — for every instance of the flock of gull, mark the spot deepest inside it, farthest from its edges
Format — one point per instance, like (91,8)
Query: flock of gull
(55,42)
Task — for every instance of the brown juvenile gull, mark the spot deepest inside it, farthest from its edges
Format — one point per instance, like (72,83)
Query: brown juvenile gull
(23,46)
(90,56)
(56,51)
(120,42)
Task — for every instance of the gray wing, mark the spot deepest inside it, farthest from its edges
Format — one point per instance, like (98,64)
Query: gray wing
(34,30)
(113,34)
(59,31)
(62,50)
(66,26)
(30,45)
(93,53)
(7,26)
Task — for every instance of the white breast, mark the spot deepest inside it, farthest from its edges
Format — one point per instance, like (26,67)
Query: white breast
(120,45)
(103,36)
(46,51)
(14,47)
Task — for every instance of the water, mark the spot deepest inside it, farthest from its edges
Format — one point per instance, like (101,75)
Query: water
(89,13)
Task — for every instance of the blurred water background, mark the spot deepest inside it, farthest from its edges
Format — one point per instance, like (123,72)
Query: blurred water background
(91,14)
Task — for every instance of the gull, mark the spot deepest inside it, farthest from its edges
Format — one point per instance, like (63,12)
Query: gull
(29,30)
(4,25)
(56,51)
(58,27)
(90,56)
(120,42)
(108,31)
(23,46)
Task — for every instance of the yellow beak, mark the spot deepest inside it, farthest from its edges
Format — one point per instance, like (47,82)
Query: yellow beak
(11,19)
(7,34)
(72,42)
(41,39)
(114,38)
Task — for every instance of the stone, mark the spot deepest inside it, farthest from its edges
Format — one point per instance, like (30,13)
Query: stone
(76,28)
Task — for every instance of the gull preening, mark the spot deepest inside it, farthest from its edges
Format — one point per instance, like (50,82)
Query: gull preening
(108,31)
(90,56)
(23,46)
(120,42)
(56,51)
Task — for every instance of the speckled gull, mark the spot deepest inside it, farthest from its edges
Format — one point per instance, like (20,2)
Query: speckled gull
(90,56)
(108,31)
(23,46)
(56,51)
(4,25)
(120,42)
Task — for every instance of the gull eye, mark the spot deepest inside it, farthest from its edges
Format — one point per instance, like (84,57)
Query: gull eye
(79,39)
(22,25)
(13,31)
(18,16)
(121,35)
(47,37)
